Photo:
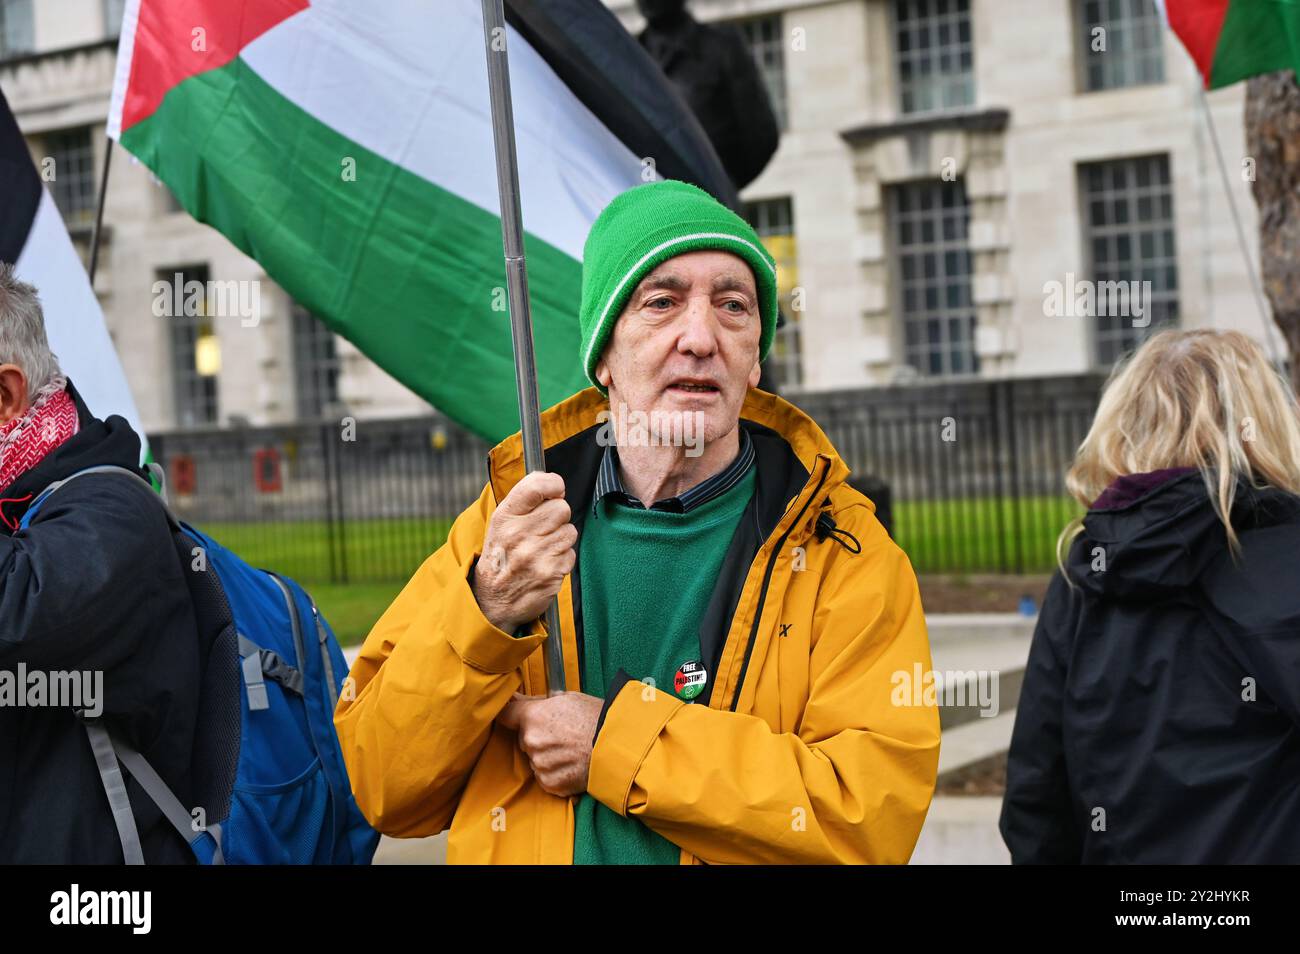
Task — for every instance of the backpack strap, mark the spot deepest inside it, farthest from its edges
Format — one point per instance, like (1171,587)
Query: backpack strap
(160,477)
(44,495)
(259,663)
(299,650)
(323,639)
(111,753)
(299,644)
(110,773)
(110,750)
(253,681)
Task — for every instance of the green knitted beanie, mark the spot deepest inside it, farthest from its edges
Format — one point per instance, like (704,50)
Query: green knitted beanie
(644,227)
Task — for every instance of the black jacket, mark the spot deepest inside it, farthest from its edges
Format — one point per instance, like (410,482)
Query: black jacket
(1137,736)
(95,583)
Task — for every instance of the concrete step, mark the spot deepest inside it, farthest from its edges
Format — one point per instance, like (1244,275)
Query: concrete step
(412,851)
(982,658)
(962,830)
(975,741)
(961,627)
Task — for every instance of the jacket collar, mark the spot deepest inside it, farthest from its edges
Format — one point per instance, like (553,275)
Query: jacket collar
(610,481)
(791,451)
(1130,488)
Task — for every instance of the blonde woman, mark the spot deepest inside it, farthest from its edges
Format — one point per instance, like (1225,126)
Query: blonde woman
(1159,721)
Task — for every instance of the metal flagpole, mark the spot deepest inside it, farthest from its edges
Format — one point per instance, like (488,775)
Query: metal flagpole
(521,327)
(1256,284)
(99,211)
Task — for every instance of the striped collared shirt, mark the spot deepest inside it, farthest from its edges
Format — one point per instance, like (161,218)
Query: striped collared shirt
(609,482)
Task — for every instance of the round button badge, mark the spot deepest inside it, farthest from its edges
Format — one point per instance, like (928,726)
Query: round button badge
(690,679)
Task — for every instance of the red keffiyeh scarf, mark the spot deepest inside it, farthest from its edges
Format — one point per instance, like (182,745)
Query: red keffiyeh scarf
(24,441)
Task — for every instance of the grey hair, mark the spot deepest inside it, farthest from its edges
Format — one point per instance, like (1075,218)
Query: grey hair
(22,331)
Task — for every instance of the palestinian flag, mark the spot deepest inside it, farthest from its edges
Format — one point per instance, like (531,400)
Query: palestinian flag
(35,241)
(347,147)
(1231,40)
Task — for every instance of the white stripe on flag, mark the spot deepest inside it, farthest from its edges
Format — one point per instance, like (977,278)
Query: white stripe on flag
(411,85)
(122,75)
(74,322)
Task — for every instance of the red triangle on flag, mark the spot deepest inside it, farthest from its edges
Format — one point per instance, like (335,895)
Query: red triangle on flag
(176,39)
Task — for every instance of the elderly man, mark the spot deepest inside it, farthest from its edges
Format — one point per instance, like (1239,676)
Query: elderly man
(93,606)
(735,622)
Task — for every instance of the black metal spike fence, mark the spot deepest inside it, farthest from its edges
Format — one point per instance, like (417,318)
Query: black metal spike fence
(974,471)
(974,476)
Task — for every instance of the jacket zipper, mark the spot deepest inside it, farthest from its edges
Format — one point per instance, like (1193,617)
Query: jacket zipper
(686,856)
(767,578)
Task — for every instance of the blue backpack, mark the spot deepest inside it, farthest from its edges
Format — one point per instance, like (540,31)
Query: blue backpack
(288,801)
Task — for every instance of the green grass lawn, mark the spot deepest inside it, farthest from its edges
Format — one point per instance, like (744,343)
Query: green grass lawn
(983,534)
(353,608)
(367,550)
(976,535)
(381,555)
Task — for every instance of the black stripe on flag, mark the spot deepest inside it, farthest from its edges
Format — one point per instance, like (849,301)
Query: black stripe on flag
(605,67)
(21,186)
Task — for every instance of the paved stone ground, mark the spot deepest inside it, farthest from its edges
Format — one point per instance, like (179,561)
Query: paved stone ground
(412,851)
(962,830)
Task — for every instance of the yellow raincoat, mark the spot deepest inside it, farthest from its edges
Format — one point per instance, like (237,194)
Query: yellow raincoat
(806,751)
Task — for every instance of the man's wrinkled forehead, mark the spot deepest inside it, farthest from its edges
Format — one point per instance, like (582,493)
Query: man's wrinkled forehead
(672,276)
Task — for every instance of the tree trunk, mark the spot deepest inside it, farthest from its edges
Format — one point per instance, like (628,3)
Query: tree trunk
(1273,141)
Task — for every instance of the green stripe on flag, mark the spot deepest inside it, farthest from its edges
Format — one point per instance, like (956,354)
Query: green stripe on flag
(407,271)
(1258,36)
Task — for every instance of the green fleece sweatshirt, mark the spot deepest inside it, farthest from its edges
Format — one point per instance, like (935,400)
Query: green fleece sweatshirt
(646,578)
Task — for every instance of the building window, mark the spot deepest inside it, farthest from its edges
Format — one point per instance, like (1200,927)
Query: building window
(315,365)
(113,16)
(930,221)
(933,48)
(73,185)
(1128,214)
(16,34)
(195,349)
(767,47)
(1122,43)
(773,219)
